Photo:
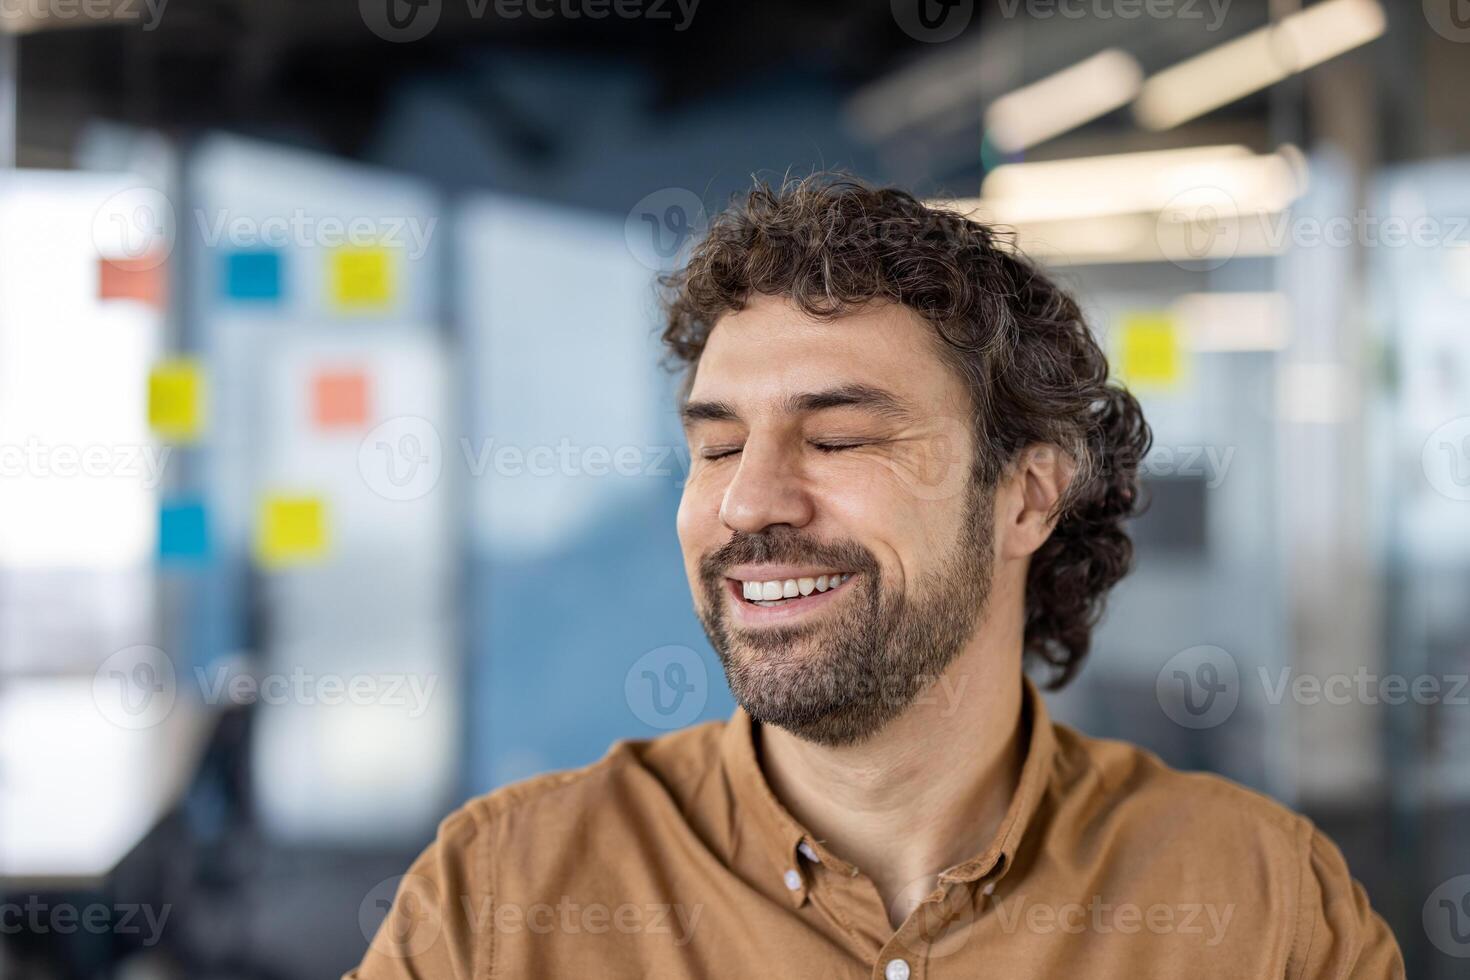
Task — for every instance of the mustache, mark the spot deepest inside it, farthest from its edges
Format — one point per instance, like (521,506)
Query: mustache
(782,543)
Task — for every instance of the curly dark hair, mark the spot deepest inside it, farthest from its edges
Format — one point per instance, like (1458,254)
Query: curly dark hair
(830,244)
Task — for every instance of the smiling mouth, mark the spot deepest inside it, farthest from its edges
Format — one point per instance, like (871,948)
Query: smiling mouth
(774,593)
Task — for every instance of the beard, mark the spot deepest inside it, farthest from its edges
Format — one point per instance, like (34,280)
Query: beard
(840,679)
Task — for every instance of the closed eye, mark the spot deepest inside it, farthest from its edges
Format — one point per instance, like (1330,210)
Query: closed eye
(718,453)
(836,447)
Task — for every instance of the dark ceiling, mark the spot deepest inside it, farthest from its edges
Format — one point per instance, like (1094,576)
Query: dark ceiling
(281,69)
(315,65)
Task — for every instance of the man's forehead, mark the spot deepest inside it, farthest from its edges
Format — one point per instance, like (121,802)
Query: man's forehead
(770,353)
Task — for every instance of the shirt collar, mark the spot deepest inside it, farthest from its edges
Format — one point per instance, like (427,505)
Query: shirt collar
(780,836)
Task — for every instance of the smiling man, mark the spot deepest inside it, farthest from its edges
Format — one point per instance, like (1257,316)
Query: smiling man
(910,473)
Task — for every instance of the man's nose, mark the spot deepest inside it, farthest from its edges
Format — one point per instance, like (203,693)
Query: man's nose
(766,490)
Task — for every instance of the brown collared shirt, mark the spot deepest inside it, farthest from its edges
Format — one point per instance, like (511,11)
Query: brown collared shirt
(672,858)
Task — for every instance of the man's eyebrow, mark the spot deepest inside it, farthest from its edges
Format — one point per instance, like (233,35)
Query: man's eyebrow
(854,395)
(708,412)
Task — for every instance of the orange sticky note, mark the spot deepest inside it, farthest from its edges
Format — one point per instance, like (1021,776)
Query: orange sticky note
(140,279)
(340,399)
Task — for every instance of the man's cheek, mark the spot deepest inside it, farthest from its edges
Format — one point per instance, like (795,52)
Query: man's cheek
(686,521)
(925,468)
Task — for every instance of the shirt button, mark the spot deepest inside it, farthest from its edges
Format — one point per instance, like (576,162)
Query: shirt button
(793,882)
(896,970)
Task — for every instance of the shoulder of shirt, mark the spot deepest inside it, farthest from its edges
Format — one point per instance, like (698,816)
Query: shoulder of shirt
(1135,779)
(1226,833)
(1199,820)
(675,760)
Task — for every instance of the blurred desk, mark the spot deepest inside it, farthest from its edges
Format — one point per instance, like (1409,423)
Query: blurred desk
(78,791)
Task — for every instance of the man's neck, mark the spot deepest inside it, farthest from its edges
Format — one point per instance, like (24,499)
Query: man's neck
(927,792)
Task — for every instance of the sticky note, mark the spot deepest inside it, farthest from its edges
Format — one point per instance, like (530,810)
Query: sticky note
(292,530)
(176,399)
(362,278)
(142,280)
(1148,351)
(251,276)
(340,399)
(183,531)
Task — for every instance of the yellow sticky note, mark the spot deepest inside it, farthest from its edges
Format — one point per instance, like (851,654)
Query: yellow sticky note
(292,530)
(176,399)
(1148,351)
(362,277)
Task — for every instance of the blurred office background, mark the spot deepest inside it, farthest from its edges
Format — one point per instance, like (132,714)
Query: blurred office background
(339,475)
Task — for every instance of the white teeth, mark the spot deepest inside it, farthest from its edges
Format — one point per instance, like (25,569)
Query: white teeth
(776,590)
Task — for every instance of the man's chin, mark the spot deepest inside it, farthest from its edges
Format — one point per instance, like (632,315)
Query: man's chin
(797,691)
(771,646)
(832,726)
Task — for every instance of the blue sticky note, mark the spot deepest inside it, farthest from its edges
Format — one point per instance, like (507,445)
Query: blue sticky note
(252,275)
(183,532)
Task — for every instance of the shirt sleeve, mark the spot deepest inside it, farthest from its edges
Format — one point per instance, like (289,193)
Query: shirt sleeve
(1339,936)
(437,927)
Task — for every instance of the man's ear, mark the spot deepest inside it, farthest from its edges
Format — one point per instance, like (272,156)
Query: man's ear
(1031,490)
